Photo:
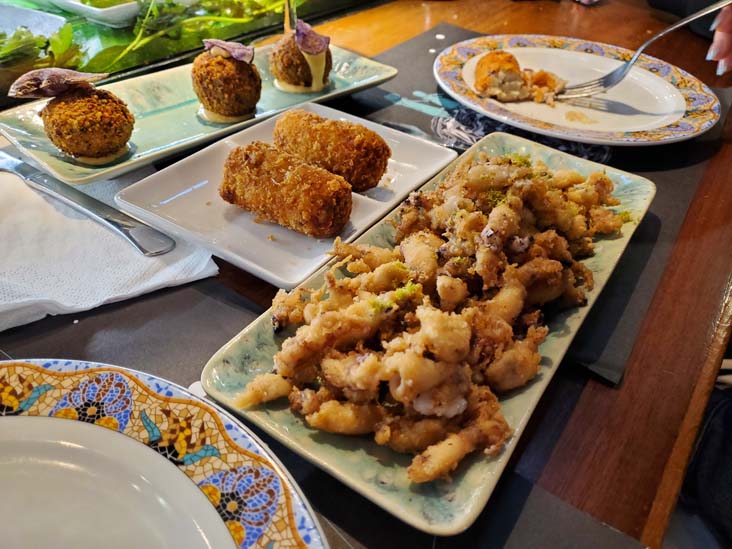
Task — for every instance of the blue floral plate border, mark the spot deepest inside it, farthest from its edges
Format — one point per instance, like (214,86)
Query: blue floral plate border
(702,106)
(219,454)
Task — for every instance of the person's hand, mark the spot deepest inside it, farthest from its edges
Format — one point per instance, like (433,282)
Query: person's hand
(721,49)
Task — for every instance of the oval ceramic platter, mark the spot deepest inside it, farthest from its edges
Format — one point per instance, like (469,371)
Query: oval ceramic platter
(656,103)
(142,464)
(165,108)
(379,474)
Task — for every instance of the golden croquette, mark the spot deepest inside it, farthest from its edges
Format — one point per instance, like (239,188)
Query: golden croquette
(280,187)
(288,64)
(350,150)
(226,86)
(88,122)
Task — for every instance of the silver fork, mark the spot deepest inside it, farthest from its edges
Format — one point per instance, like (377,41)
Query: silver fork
(604,83)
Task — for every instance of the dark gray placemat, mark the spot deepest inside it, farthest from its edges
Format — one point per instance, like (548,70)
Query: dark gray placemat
(414,103)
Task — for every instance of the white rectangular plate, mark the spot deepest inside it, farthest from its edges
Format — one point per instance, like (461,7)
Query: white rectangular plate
(166,121)
(183,200)
(379,474)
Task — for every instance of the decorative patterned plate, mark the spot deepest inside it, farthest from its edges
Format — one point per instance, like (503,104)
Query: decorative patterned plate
(656,103)
(166,121)
(185,470)
(441,507)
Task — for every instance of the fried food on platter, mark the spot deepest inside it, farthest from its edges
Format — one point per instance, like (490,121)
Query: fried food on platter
(414,341)
(280,187)
(352,151)
(93,125)
(88,122)
(498,75)
(267,387)
(301,61)
(225,79)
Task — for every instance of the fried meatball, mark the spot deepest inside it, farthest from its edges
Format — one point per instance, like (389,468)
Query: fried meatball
(288,64)
(280,187)
(356,153)
(226,86)
(88,122)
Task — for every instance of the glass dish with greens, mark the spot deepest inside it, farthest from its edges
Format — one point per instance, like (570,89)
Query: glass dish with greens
(165,32)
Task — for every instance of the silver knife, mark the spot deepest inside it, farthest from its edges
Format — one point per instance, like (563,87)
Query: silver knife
(144,238)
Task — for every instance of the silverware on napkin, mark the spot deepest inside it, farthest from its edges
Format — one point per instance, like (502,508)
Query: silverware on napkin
(144,238)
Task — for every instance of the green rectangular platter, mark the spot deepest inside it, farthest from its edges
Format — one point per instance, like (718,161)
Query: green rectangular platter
(378,473)
(166,121)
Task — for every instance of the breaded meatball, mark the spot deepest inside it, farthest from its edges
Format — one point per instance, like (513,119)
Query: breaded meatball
(88,122)
(280,187)
(356,153)
(288,64)
(226,86)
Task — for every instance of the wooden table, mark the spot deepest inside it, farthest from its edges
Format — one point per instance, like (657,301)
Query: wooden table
(620,453)
(623,453)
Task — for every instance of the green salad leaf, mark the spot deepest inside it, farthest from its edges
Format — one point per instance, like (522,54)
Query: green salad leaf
(22,44)
(62,51)
(24,51)
(166,28)
(163,29)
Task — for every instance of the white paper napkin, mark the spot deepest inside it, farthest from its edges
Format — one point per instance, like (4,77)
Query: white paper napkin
(55,260)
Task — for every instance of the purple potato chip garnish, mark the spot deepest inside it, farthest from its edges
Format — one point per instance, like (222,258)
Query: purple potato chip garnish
(309,41)
(238,51)
(51,82)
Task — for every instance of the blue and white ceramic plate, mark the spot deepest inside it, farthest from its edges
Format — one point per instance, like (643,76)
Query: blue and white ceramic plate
(379,474)
(166,120)
(656,103)
(141,463)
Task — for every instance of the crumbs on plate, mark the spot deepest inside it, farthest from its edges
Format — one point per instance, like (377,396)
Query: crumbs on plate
(578,116)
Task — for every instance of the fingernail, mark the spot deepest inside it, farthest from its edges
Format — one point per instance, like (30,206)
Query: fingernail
(711,54)
(722,67)
(715,23)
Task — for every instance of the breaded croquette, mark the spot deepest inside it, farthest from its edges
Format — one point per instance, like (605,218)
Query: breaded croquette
(88,122)
(226,85)
(288,64)
(356,153)
(301,61)
(280,187)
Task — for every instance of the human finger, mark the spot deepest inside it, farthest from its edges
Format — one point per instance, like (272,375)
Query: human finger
(721,46)
(723,21)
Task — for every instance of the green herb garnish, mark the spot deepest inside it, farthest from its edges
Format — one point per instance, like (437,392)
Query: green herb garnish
(519,159)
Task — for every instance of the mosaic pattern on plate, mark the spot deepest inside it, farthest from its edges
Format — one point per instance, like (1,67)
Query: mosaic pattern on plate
(254,499)
(702,106)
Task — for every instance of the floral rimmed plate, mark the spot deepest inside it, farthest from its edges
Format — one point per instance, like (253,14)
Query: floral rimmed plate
(656,103)
(166,120)
(378,473)
(185,474)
